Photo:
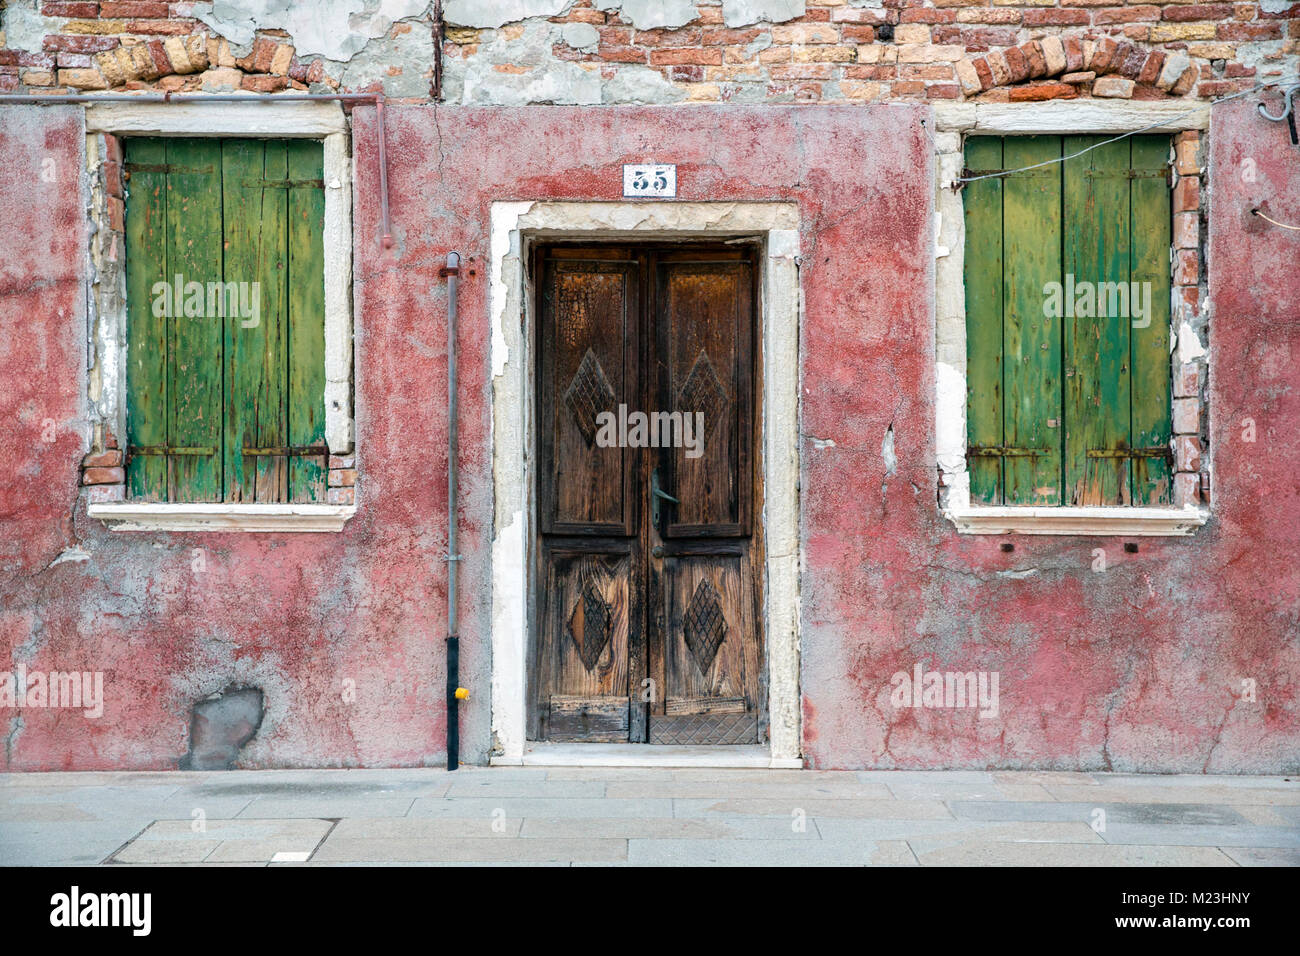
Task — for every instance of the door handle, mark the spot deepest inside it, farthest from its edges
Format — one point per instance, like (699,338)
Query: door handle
(657,493)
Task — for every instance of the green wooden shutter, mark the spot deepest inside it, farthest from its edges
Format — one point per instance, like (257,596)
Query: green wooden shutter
(224,405)
(147,264)
(1068,407)
(307,473)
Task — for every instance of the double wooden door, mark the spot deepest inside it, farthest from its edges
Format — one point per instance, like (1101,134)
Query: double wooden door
(648,613)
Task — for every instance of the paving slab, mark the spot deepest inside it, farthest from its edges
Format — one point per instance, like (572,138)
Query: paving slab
(482,850)
(1171,813)
(983,853)
(767,853)
(223,841)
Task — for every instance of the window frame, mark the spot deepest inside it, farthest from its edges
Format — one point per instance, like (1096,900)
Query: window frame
(322,121)
(953,123)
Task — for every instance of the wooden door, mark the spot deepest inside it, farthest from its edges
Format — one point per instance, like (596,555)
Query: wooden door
(647,626)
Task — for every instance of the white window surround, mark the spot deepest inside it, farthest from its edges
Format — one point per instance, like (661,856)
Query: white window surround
(952,122)
(260,117)
(513,226)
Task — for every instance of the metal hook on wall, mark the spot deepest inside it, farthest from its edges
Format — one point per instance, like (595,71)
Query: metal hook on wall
(1288,112)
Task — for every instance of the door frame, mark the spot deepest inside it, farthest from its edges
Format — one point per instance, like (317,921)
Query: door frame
(512,317)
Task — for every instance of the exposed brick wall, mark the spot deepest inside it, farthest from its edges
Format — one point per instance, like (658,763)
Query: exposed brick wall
(835,52)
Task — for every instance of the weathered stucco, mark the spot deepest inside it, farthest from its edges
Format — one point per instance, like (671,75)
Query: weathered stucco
(1139,667)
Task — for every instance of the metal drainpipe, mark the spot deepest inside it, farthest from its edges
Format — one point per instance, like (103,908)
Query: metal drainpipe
(386,232)
(455,693)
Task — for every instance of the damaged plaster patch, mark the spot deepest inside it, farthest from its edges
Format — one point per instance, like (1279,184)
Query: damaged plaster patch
(887,453)
(650,14)
(536,75)
(25,28)
(75,554)
(399,60)
(739,13)
(1189,344)
(495,13)
(640,84)
(580,36)
(221,726)
(334,29)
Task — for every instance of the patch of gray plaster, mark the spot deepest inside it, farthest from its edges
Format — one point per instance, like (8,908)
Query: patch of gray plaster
(547,79)
(887,453)
(1274,6)
(640,84)
(220,728)
(739,13)
(652,14)
(401,61)
(494,13)
(25,27)
(334,29)
(580,36)
(74,554)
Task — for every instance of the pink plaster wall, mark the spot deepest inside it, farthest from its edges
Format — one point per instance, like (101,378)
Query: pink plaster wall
(1135,668)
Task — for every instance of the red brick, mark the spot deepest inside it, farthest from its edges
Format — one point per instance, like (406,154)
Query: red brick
(927,15)
(1036,92)
(1187,379)
(1249,31)
(104,459)
(264,84)
(1187,194)
(116,213)
(99,494)
(1129,60)
(113,148)
(1196,11)
(316,72)
(1016,64)
(1056,18)
(342,477)
(858,33)
(113,179)
(342,461)
(984,73)
(1234,70)
(975,40)
(1187,453)
(1151,68)
(1073,55)
(79,43)
(133,10)
(82,11)
(103,476)
(1033,52)
(1186,267)
(8,82)
(671,38)
(943,91)
(1222,87)
(720,36)
(1187,489)
(907,88)
(689,55)
(870,72)
(161,62)
(341,496)
(1139,14)
(621,54)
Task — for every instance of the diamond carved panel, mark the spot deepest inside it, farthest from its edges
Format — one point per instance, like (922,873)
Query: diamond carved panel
(588,395)
(704,626)
(590,624)
(703,392)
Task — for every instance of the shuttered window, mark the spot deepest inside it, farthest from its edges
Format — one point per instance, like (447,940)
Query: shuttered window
(1067,275)
(225,311)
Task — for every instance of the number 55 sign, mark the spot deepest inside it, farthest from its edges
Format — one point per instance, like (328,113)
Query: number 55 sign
(649,179)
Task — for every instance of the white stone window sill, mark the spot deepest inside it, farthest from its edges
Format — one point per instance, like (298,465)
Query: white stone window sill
(140,516)
(1135,522)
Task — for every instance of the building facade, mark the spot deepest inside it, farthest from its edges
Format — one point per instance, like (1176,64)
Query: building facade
(961,333)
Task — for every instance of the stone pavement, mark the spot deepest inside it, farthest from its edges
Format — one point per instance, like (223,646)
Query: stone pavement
(622,816)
